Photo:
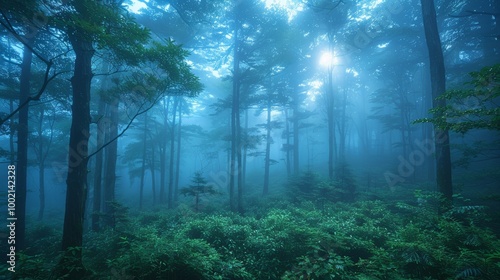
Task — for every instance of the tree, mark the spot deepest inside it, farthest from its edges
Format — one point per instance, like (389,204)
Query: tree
(81,21)
(471,108)
(199,187)
(438,84)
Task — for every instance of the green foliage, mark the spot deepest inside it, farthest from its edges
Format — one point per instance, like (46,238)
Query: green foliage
(473,107)
(309,187)
(360,240)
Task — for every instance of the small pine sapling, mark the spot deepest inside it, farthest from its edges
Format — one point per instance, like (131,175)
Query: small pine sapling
(199,186)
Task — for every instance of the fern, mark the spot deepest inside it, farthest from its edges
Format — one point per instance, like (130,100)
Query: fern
(468,272)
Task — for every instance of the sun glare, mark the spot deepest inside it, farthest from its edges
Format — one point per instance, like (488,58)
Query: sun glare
(291,7)
(327,59)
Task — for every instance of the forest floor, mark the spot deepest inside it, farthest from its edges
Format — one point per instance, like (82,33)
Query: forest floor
(283,237)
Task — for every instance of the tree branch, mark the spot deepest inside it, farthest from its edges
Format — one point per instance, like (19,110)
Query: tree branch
(470,13)
(36,97)
(22,40)
(126,128)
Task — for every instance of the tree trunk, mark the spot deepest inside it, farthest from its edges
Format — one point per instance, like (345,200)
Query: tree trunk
(153,175)
(96,201)
(143,163)
(234,118)
(438,84)
(343,129)
(163,153)
(172,156)
(330,124)
(12,133)
(296,135)
(268,150)
(287,148)
(76,194)
(245,151)
(110,170)
(41,167)
(22,150)
(178,160)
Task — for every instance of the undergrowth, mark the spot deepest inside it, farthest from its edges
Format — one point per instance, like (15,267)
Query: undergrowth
(303,239)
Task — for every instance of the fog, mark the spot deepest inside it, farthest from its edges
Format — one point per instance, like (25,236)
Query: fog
(117,114)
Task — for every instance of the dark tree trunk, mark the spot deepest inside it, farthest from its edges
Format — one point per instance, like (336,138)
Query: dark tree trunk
(76,193)
(41,167)
(96,202)
(153,175)
(438,85)
(12,133)
(22,151)
(110,168)
(268,150)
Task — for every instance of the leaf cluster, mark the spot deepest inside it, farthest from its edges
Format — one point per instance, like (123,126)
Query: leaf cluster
(474,107)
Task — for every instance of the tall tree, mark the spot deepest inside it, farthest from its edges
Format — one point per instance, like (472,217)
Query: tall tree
(22,147)
(438,87)
(81,21)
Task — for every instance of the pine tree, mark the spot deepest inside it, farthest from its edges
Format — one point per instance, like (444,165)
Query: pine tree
(200,186)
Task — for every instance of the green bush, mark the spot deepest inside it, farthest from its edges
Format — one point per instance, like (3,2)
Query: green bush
(360,240)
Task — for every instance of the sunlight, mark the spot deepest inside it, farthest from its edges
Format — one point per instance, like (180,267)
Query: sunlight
(315,89)
(136,6)
(328,59)
(292,8)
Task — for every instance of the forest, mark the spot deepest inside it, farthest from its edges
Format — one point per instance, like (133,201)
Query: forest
(250,139)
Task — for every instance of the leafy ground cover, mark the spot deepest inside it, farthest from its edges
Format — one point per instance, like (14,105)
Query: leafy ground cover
(285,240)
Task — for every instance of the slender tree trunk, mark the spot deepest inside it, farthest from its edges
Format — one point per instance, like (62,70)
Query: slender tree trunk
(245,152)
(438,84)
(268,150)
(41,167)
(296,136)
(235,120)
(178,160)
(96,201)
(12,130)
(153,176)
(172,156)
(110,169)
(12,133)
(343,129)
(287,149)
(331,125)
(143,163)
(163,153)
(22,150)
(76,194)
(238,153)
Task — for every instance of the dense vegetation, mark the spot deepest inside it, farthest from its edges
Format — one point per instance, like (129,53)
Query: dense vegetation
(289,235)
(329,139)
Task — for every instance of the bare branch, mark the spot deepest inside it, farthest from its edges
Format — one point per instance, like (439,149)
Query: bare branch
(470,13)
(126,128)
(11,30)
